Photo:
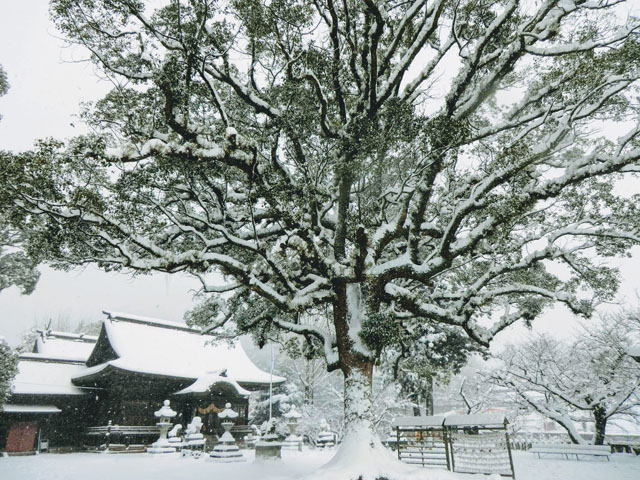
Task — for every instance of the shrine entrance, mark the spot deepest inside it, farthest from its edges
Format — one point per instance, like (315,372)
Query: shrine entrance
(208,411)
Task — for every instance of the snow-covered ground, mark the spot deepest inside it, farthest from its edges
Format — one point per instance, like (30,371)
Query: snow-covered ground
(92,466)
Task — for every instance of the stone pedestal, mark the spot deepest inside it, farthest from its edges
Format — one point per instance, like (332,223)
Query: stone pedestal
(326,439)
(268,447)
(194,440)
(227,450)
(163,445)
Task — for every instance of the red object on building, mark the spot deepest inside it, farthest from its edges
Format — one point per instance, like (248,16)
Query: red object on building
(22,437)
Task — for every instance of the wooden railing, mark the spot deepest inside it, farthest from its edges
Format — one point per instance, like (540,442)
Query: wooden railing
(123,430)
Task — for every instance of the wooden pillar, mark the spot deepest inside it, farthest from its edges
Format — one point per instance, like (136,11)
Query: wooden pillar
(506,436)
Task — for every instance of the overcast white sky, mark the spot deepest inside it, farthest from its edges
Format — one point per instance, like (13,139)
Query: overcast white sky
(47,85)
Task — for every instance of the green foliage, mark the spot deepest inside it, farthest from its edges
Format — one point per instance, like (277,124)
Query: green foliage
(8,370)
(4,82)
(430,354)
(439,161)
(380,331)
(17,267)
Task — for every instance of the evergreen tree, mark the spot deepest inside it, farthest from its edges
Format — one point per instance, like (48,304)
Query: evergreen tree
(8,370)
(16,267)
(390,163)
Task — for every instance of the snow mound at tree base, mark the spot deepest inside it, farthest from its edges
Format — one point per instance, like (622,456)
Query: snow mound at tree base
(363,457)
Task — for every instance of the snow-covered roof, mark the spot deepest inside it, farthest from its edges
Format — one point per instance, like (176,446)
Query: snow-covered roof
(483,419)
(15,408)
(204,383)
(42,375)
(65,345)
(475,420)
(111,315)
(159,347)
(418,421)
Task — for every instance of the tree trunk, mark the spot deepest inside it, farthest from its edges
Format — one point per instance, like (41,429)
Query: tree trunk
(428,397)
(601,425)
(416,405)
(358,399)
(361,453)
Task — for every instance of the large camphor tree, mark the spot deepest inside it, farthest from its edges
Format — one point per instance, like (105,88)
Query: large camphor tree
(389,163)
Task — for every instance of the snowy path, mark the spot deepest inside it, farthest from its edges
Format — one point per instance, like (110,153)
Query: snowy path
(87,466)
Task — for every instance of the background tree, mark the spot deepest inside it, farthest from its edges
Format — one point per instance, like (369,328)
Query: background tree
(4,83)
(428,358)
(8,369)
(391,163)
(16,268)
(590,378)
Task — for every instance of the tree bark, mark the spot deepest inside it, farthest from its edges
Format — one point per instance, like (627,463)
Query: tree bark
(428,396)
(357,367)
(601,425)
(358,397)
(360,448)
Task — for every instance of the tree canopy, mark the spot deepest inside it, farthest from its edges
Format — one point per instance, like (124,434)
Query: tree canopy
(8,369)
(392,163)
(16,268)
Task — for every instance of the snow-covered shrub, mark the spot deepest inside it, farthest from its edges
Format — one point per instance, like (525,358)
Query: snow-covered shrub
(8,369)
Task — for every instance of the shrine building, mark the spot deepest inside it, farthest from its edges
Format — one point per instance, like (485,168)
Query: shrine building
(73,388)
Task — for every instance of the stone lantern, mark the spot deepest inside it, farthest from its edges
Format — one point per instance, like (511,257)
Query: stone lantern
(293,441)
(227,450)
(164,415)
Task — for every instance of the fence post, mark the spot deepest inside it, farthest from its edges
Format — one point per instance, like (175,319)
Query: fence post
(453,460)
(108,435)
(506,435)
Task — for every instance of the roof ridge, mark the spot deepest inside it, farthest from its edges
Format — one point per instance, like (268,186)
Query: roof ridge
(69,335)
(41,357)
(150,321)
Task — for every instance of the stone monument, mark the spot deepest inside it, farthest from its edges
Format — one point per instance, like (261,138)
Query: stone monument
(193,444)
(268,447)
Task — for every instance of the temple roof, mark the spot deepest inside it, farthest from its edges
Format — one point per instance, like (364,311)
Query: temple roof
(17,408)
(159,347)
(42,375)
(64,345)
(206,382)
